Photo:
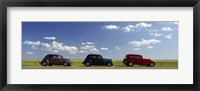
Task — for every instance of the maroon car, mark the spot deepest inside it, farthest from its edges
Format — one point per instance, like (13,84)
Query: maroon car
(132,59)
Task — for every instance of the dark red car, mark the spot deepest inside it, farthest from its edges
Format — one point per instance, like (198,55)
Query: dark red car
(132,59)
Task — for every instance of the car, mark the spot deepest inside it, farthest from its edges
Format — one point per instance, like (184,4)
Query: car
(132,59)
(54,59)
(96,59)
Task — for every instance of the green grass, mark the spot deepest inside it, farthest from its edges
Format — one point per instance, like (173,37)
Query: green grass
(117,64)
(30,63)
(166,63)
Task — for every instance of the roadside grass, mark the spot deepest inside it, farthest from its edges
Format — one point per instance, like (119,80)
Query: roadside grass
(116,64)
(30,63)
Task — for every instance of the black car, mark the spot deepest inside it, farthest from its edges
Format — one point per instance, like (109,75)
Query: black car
(54,59)
(96,59)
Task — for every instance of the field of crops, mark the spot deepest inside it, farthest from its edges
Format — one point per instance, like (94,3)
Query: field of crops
(117,64)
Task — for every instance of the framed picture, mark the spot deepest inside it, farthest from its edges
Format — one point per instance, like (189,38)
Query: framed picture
(91,45)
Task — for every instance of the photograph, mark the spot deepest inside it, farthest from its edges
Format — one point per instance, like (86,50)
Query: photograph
(100,45)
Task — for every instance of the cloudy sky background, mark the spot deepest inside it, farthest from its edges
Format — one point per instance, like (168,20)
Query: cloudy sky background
(75,40)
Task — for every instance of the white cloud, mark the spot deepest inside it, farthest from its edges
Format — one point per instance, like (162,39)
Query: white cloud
(167,29)
(111,27)
(144,42)
(143,25)
(156,34)
(34,47)
(83,43)
(90,43)
(89,48)
(136,27)
(45,45)
(61,47)
(128,28)
(117,48)
(104,49)
(136,49)
(50,38)
(57,45)
(54,46)
(32,43)
(37,43)
(81,51)
(71,49)
(150,47)
(29,53)
(168,36)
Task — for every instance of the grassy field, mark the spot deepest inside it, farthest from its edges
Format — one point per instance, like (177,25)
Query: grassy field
(117,64)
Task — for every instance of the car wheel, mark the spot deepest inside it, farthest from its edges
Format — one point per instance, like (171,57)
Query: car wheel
(65,64)
(130,64)
(88,64)
(152,64)
(44,63)
(109,64)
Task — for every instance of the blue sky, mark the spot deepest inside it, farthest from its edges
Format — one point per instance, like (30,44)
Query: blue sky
(75,40)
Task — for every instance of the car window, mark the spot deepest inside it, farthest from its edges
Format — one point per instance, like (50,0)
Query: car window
(99,57)
(93,57)
(131,56)
(60,57)
(54,56)
(137,57)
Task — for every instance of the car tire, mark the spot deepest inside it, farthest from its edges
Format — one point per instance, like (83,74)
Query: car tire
(130,64)
(109,64)
(87,64)
(44,63)
(151,64)
(65,64)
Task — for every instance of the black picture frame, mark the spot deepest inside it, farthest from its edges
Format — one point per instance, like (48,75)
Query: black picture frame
(99,3)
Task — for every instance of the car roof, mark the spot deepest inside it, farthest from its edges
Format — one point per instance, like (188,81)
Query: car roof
(52,55)
(134,55)
(94,55)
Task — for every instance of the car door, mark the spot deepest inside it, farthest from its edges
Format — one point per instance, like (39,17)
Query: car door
(138,60)
(132,59)
(100,60)
(50,59)
(142,61)
(60,60)
(55,59)
(95,60)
